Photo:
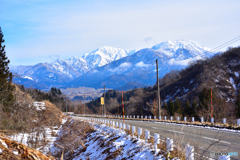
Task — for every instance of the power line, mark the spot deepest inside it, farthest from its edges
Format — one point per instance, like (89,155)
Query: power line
(228,44)
(225,44)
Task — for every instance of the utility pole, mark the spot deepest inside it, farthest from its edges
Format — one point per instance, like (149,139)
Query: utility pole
(104,109)
(123,107)
(84,103)
(66,103)
(211,105)
(158,94)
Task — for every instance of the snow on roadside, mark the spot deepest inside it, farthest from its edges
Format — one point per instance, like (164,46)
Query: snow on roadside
(107,142)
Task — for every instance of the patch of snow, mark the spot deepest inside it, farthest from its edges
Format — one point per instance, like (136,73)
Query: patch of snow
(27,77)
(182,62)
(3,143)
(185,90)
(125,64)
(232,82)
(236,74)
(39,105)
(228,86)
(141,64)
(191,81)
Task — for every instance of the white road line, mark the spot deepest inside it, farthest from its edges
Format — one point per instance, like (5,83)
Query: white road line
(216,140)
(183,133)
(168,130)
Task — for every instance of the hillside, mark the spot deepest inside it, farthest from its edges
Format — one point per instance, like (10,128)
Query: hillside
(188,92)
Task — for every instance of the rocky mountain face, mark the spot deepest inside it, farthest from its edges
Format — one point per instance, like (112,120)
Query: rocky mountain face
(113,67)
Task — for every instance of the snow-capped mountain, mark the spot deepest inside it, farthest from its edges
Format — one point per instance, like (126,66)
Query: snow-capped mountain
(62,71)
(140,67)
(105,55)
(114,67)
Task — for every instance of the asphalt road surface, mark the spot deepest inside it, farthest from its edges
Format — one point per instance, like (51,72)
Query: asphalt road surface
(202,138)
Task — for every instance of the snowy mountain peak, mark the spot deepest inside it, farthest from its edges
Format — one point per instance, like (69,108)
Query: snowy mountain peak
(180,44)
(105,55)
(179,47)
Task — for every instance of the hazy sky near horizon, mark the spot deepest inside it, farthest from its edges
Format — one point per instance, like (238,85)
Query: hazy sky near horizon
(44,30)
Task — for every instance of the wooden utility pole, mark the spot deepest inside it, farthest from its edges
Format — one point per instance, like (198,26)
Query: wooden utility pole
(158,94)
(66,103)
(211,105)
(154,107)
(104,109)
(84,103)
(123,107)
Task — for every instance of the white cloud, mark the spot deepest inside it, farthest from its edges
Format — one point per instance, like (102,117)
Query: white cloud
(141,64)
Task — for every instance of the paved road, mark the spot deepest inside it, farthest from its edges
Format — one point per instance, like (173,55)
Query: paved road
(195,136)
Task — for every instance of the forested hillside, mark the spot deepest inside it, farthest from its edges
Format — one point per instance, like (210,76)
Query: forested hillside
(187,92)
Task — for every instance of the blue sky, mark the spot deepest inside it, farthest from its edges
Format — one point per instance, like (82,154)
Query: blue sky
(44,30)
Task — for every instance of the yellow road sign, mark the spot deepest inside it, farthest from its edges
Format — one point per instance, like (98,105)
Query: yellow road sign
(102,101)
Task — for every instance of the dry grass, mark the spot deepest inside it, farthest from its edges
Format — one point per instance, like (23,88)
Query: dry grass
(129,131)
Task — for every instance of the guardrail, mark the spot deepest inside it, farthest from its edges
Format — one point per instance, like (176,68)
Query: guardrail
(189,152)
(171,119)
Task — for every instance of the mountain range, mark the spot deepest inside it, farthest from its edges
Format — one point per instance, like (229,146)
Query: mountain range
(112,67)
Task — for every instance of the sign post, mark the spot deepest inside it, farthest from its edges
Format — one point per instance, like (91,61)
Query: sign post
(102,103)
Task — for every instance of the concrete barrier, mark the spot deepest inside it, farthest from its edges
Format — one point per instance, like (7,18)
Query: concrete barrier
(212,120)
(139,132)
(147,135)
(224,120)
(133,130)
(156,140)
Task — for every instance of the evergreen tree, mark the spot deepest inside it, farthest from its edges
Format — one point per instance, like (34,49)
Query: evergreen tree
(171,107)
(6,87)
(187,109)
(114,94)
(204,98)
(178,105)
(194,109)
(165,106)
